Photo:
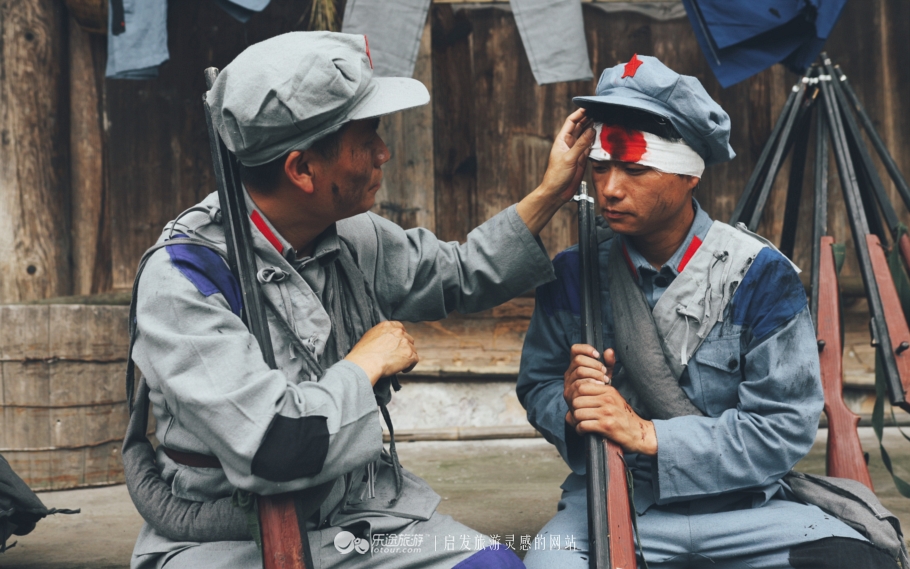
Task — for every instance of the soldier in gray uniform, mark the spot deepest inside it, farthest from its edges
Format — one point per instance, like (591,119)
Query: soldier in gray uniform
(300,111)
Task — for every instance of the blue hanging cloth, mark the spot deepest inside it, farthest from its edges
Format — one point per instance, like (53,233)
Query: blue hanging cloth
(743,37)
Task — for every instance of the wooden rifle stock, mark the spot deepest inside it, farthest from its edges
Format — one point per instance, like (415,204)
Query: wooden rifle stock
(898,331)
(610,534)
(284,546)
(845,454)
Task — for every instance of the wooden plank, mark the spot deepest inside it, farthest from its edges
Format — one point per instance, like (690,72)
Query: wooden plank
(103,465)
(24,332)
(95,333)
(407,195)
(26,428)
(454,152)
(34,227)
(86,383)
(91,224)
(26,383)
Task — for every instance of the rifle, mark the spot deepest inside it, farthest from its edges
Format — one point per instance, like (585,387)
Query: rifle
(890,333)
(610,535)
(284,543)
(844,455)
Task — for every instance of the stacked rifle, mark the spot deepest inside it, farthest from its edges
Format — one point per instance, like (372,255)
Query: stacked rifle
(881,242)
(282,533)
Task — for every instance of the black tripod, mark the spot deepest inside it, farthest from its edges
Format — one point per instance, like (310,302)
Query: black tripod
(873,219)
(872,216)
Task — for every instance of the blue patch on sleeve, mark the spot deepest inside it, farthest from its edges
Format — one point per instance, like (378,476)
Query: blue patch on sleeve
(563,293)
(207,271)
(769,296)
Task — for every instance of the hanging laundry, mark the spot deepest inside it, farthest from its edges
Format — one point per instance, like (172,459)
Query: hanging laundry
(743,37)
(553,35)
(242,10)
(393,29)
(137,44)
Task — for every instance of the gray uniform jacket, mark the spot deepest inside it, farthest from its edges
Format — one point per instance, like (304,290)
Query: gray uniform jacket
(281,430)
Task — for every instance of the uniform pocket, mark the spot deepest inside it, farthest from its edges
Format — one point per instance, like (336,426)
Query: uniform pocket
(715,371)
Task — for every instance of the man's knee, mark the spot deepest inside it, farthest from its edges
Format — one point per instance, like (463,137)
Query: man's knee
(490,558)
(839,553)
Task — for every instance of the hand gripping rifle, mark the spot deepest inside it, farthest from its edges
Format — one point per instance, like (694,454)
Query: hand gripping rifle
(284,543)
(610,535)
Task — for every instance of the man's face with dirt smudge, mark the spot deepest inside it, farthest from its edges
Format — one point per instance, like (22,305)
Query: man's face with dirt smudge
(637,200)
(353,175)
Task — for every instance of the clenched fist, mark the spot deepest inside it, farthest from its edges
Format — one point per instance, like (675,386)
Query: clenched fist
(386,349)
(597,407)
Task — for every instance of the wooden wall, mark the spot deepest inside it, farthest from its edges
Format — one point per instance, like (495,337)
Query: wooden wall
(92,168)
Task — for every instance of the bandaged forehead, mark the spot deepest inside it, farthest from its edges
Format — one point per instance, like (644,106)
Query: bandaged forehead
(624,145)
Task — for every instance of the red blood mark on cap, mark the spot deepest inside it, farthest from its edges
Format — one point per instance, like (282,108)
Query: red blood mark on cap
(631,67)
(370,57)
(623,144)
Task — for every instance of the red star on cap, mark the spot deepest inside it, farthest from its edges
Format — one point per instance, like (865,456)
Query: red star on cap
(370,57)
(631,67)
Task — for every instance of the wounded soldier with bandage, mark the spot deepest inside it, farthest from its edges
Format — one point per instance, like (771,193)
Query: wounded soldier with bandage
(301,113)
(715,391)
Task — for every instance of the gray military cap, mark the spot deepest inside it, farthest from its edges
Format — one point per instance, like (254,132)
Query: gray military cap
(646,84)
(289,91)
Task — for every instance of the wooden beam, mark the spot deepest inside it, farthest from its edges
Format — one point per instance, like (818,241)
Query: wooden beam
(34,169)
(91,241)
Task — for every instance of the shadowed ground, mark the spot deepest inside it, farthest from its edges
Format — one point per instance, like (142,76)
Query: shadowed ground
(500,487)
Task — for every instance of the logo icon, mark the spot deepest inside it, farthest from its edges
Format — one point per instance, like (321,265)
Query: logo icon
(345,542)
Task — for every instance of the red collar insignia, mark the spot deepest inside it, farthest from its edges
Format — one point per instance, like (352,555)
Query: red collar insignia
(370,57)
(266,232)
(690,251)
(631,67)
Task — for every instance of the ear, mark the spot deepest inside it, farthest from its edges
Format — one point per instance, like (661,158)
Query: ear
(692,183)
(300,171)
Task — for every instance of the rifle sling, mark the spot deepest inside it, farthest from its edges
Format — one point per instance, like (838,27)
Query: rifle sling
(645,379)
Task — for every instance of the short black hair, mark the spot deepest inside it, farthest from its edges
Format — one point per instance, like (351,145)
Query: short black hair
(265,177)
(634,119)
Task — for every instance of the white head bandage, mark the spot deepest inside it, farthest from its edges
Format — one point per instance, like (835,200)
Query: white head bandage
(624,145)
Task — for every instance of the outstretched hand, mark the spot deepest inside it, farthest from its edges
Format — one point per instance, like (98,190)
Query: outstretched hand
(565,169)
(568,156)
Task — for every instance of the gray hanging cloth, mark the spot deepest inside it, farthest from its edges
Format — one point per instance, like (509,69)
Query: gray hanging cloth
(393,29)
(553,34)
(242,10)
(137,44)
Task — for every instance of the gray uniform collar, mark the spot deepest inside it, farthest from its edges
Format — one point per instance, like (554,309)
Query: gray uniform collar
(699,229)
(325,251)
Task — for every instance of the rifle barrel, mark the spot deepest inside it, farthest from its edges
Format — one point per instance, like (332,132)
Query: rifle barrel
(610,534)
(595,457)
(284,545)
(890,165)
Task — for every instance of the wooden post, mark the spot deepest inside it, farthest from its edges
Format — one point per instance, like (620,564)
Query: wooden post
(91,226)
(34,169)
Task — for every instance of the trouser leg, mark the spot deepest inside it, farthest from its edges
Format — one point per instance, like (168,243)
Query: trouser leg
(839,553)
(759,538)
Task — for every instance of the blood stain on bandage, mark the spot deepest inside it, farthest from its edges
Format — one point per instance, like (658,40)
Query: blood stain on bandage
(623,144)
